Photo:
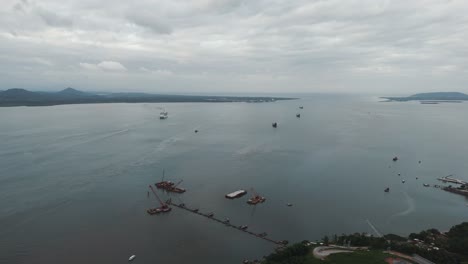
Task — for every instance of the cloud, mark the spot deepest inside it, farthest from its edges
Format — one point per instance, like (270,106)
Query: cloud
(149,21)
(160,72)
(53,19)
(226,45)
(103,65)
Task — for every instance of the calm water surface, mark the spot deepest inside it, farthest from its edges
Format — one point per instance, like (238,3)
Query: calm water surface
(73,179)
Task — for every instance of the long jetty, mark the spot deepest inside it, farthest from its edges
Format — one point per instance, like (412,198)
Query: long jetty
(449,178)
(228,224)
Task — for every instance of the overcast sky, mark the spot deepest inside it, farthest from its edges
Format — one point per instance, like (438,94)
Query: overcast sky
(376,46)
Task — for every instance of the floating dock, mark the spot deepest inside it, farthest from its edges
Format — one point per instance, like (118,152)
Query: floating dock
(228,224)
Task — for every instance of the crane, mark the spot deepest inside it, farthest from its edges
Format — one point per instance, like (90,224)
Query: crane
(255,194)
(157,197)
(178,183)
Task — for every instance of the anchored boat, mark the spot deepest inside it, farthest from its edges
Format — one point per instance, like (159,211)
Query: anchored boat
(236,194)
(163,115)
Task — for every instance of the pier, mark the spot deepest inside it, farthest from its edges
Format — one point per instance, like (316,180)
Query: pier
(228,224)
(449,178)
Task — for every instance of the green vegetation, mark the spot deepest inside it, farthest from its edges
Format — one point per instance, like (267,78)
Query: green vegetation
(431,244)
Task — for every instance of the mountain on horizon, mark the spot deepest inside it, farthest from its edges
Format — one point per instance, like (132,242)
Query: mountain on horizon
(22,97)
(435,96)
(73,92)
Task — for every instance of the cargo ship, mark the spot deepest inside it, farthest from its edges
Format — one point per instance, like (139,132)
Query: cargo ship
(236,194)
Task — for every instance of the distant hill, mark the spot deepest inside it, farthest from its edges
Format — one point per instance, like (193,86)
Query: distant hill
(437,96)
(70,92)
(22,97)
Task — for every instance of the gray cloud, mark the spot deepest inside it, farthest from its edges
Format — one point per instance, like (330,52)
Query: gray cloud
(53,19)
(149,21)
(103,65)
(379,46)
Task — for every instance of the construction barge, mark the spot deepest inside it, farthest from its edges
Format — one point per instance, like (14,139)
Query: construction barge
(164,208)
(227,223)
(256,198)
(169,186)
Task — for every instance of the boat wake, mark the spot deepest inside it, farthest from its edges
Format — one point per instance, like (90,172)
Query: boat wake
(253,150)
(410,207)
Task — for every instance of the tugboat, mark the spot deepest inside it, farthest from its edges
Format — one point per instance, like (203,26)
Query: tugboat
(256,198)
(275,125)
(387,189)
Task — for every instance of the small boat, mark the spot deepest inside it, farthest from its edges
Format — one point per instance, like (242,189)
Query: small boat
(195,210)
(163,115)
(426,185)
(132,257)
(210,215)
(298,115)
(399,174)
(403,181)
(196,131)
(387,189)
(395,158)
(274,124)
(301,107)
(264,234)
(289,204)
(243,227)
(226,220)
